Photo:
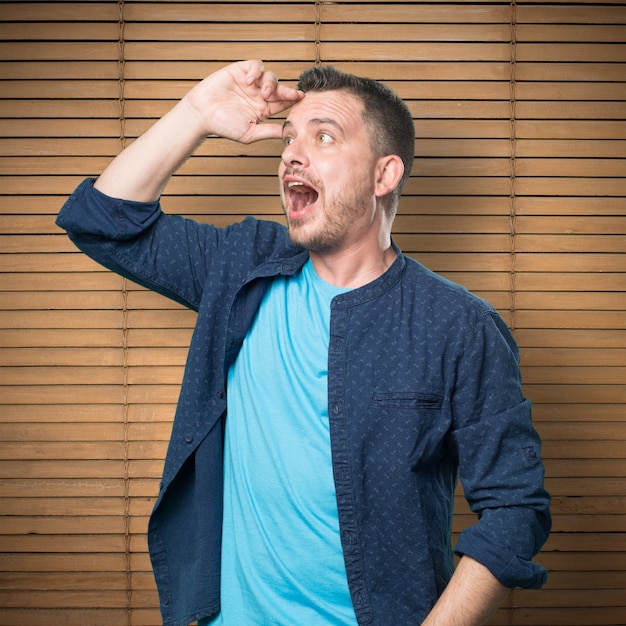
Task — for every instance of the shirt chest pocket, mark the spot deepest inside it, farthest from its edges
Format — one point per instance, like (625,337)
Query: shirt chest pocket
(413,424)
(407,400)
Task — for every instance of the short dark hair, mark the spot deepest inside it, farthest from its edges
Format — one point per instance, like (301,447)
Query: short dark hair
(386,114)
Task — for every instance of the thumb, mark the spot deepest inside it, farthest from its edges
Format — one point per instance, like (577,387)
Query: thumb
(258,132)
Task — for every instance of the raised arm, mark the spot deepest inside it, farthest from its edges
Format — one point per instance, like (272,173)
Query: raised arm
(230,103)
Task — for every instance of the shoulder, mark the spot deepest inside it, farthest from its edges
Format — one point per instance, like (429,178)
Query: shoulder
(436,290)
(249,240)
(260,231)
(450,309)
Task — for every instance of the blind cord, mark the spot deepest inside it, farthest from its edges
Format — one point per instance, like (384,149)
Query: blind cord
(318,33)
(125,412)
(513,166)
(121,62)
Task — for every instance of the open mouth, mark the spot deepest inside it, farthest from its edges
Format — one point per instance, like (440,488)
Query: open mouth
(301,196)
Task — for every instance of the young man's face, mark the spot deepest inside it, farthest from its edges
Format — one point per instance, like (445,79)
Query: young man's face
(327,172)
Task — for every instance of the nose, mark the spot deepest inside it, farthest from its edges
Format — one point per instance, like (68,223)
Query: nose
(294,154)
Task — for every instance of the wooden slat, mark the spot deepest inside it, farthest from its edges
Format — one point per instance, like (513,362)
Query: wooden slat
(602,301)
(570,14)
(563,338)
(62,281)
(59,127)
(574,71)
(571,206)
(59,581)
(569,32)
(555,129)
(571,110)
(65,70)
(46,147)
(571,53)
(56,11)
(61,375)
(577,412)
(93,616)
(95,31)
(382,13)
(595,90)
(21,300)
(437,51)
(59,109)
(568,243)
(577,225)
(198,51)
(416,32)
(272,12)
(575,281)
(53,51)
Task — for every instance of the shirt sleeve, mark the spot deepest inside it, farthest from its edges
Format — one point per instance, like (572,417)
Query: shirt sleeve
(164,253)
(499,459)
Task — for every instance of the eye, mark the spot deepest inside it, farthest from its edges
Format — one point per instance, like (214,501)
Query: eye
(287,140)
(324,138)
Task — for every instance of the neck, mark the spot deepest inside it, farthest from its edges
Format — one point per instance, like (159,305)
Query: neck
(353,267)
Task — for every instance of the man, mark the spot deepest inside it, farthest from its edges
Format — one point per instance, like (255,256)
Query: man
(334,388)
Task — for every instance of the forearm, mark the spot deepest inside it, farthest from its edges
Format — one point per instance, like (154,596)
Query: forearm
(472,595)
(230,103)
(141,171)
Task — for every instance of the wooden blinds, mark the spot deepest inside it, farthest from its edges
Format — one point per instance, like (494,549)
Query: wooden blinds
(518,192)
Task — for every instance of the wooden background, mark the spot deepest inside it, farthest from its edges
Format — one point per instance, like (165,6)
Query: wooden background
(518,192)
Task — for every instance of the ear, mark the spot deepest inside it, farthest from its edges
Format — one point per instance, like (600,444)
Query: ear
(389,171)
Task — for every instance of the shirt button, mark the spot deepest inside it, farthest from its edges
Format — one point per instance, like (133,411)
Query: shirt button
(531,453)
(188,438)
(220,394)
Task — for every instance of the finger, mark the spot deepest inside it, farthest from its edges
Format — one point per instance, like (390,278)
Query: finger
(283,99)
(284,93)
(254,70)
(268,85)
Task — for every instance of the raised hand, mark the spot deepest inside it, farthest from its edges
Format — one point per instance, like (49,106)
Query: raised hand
(234,101)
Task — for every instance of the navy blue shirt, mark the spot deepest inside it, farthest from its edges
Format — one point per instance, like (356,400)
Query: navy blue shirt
(423,387)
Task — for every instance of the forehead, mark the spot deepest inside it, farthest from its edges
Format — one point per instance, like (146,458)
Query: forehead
(337,107)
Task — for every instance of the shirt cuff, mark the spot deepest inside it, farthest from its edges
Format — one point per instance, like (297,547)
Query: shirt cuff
(511,569)
(88,211)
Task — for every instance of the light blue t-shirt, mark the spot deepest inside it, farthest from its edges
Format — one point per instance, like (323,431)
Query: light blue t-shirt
(282,562)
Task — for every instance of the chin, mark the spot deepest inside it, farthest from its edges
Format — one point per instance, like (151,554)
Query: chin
(309,233)
(313,242)
(300,232)
(297,237)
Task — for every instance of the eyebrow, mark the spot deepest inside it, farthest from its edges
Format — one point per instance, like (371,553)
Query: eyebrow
(319,121)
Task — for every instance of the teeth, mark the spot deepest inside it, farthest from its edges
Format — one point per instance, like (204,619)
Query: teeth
(297,186)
